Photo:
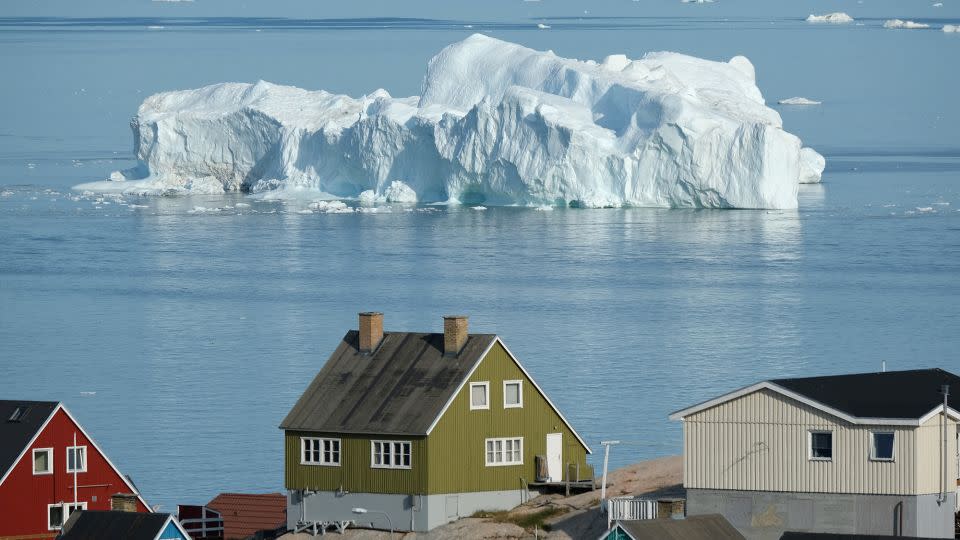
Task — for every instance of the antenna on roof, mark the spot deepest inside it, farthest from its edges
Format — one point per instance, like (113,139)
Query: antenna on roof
(883,366)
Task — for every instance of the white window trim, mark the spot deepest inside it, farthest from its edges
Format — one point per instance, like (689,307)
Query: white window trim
(33,461)
(67,461)
(82,505)
(519,384)
(392,465)
(486,455)
(303,443)
(810,434)
(873,446)
(486,390)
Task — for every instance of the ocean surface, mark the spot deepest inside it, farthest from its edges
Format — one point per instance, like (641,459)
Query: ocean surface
(180,331)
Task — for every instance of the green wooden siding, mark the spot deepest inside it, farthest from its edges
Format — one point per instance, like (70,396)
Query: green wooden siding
(355,473)
(459,438)
(457,445)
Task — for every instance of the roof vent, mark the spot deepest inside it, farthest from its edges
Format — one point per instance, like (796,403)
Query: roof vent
(19,413)
(454,334)
(371,330)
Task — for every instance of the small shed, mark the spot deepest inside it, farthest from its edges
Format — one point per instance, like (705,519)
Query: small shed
(245,514)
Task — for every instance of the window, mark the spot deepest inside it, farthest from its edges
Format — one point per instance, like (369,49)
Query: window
(317,451)
(821,445)
(76,459)
(390,454)
(43,461)
(505,451)
(881,445)
(479,395)
(19,412)
(57,514)
(512,394)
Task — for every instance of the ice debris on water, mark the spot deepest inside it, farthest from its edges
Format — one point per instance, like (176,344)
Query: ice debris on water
(833,18)
(951,28)
(497,123)
(798,101)
(897,23)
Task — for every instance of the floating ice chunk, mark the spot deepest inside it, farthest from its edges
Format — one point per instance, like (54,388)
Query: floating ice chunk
(925,209)
(497,123)
(798,101)
(697,1)
(398,192)
(478,207)
(155,27)
(6,193)
(938,4)
(543,26)
(951,28)
(242,205)
(88,393)
(833,18)
(897,23)
(811,166)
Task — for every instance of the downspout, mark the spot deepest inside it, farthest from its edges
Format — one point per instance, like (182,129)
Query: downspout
(943,476)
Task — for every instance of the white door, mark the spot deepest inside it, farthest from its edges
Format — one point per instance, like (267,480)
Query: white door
(555,457)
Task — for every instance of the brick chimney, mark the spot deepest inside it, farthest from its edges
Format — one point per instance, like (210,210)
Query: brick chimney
(454,334)
(371,330)
(124,502)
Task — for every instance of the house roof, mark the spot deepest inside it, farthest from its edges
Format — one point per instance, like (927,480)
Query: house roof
(705,527)
(16,434)
(835,536)
(891,397)
(99,524)
(244,514)
(407,373)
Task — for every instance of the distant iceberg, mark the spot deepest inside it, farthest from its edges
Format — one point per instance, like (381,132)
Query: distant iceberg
(951,28)
(798,101)
(833,18)
(497,124)
(897,23)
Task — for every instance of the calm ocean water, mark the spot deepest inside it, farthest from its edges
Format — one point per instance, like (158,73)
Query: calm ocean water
(197,330)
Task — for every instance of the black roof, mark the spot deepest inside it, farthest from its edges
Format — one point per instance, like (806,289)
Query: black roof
(100,524)
(705,527)
(398,389)
(835,536)
(890,394)
(19,422)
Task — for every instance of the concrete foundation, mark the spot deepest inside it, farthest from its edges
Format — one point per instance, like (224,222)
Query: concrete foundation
(764,515)
(418,513)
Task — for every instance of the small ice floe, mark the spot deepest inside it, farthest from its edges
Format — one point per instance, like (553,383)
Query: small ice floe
(543,208)
(941,203)
(832,18)
(6,193)
(798,101)
(543,26)
(31,165)
(135,206)
(88,394)
(951,28)
(242,205)
(925,209)
(938,4)
(909,25)
(330,207)
(202,210)
(697,1)
(155,27)
(478,207)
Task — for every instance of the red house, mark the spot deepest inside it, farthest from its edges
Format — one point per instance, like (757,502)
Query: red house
(50,466)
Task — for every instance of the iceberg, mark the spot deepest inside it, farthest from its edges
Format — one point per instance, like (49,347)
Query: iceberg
(496,124)
(798,101)
(951,28)
(833,18)
(897,23)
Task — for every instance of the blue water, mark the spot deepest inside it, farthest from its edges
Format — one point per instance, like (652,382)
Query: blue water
(198,330)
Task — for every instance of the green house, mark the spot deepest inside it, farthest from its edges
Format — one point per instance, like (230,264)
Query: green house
(409,431)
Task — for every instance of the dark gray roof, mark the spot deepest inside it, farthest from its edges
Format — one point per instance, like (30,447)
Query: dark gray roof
(14,435)
(399,389)
(100,524)
(705,527)
(891,394)
(835,536)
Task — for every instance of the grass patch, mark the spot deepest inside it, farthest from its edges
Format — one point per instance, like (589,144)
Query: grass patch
(527,520)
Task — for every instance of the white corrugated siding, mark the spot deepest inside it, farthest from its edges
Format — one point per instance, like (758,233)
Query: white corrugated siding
(930,458)
(759,442)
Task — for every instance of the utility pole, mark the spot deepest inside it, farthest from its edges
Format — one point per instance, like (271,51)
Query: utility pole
(606,458)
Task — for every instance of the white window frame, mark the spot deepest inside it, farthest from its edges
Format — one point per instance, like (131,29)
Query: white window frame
(486,391)
(519,384)
(503,442)
(33,461)
(323,461)
(833,447)
(64,515)
(67,463)
(393,452)
(873,446)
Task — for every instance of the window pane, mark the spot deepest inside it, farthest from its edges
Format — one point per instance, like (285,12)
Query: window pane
(56,516)
(377,456)
(479,396)
(81,458)
(499,453)
(71,453)
(822,445)
(883,445)
(41,461)
(512,394)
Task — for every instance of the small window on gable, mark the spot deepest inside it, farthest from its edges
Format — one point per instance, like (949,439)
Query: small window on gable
(512,394)
(43,461)
(881,445)
(58,514)
(821,445)
(479,395)
(76,459)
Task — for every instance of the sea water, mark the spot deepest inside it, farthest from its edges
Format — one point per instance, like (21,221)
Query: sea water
(180,331)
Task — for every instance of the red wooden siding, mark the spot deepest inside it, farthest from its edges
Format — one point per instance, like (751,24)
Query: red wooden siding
(24,496)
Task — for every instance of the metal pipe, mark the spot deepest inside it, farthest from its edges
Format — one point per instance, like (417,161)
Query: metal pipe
(943,471)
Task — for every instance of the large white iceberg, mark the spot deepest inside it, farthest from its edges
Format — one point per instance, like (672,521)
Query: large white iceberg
(832,18)
(898,23)
(497,123)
